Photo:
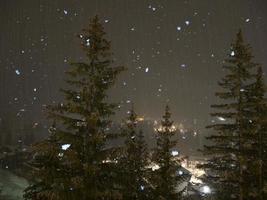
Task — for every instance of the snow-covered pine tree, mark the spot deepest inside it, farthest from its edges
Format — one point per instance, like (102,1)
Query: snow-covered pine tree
(134,162)
(83,120)
(165,179)
(229,154)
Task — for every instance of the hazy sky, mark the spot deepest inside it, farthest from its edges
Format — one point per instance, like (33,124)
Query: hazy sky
(173,50)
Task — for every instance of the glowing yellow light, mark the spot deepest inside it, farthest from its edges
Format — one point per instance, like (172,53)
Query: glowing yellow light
(140,119)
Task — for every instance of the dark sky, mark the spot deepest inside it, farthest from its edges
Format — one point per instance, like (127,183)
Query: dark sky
(173,50)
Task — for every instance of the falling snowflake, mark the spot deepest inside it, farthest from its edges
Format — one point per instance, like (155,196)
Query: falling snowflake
(17,72)
(65,12)
(88,42)
(175,153)
(187,22)
(152,8)
(221,119)
(65,146)
(147,69)
(232,53)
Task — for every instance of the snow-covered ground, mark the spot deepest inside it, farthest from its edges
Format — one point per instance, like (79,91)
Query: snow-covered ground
(11,185)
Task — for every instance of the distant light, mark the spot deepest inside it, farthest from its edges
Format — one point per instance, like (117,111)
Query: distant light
(65,146)
(17,72)
(247,20)
(180,172)
(183,65)
(147,69)
(140,119)
(106,20)
(34,89)
(206,189)
(179,28)
(65,12)
(132,29)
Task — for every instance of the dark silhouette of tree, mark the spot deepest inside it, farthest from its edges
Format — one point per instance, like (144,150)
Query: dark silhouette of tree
(83,119)
(230,168)
(165,179)
(134,162)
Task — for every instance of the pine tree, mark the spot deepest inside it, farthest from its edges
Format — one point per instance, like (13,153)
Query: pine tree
(83,119)
(257,119)
(48,170)
(165,179)
(134,161)
(229,155)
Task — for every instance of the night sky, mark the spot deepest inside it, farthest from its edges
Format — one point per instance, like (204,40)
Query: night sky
(173,49)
